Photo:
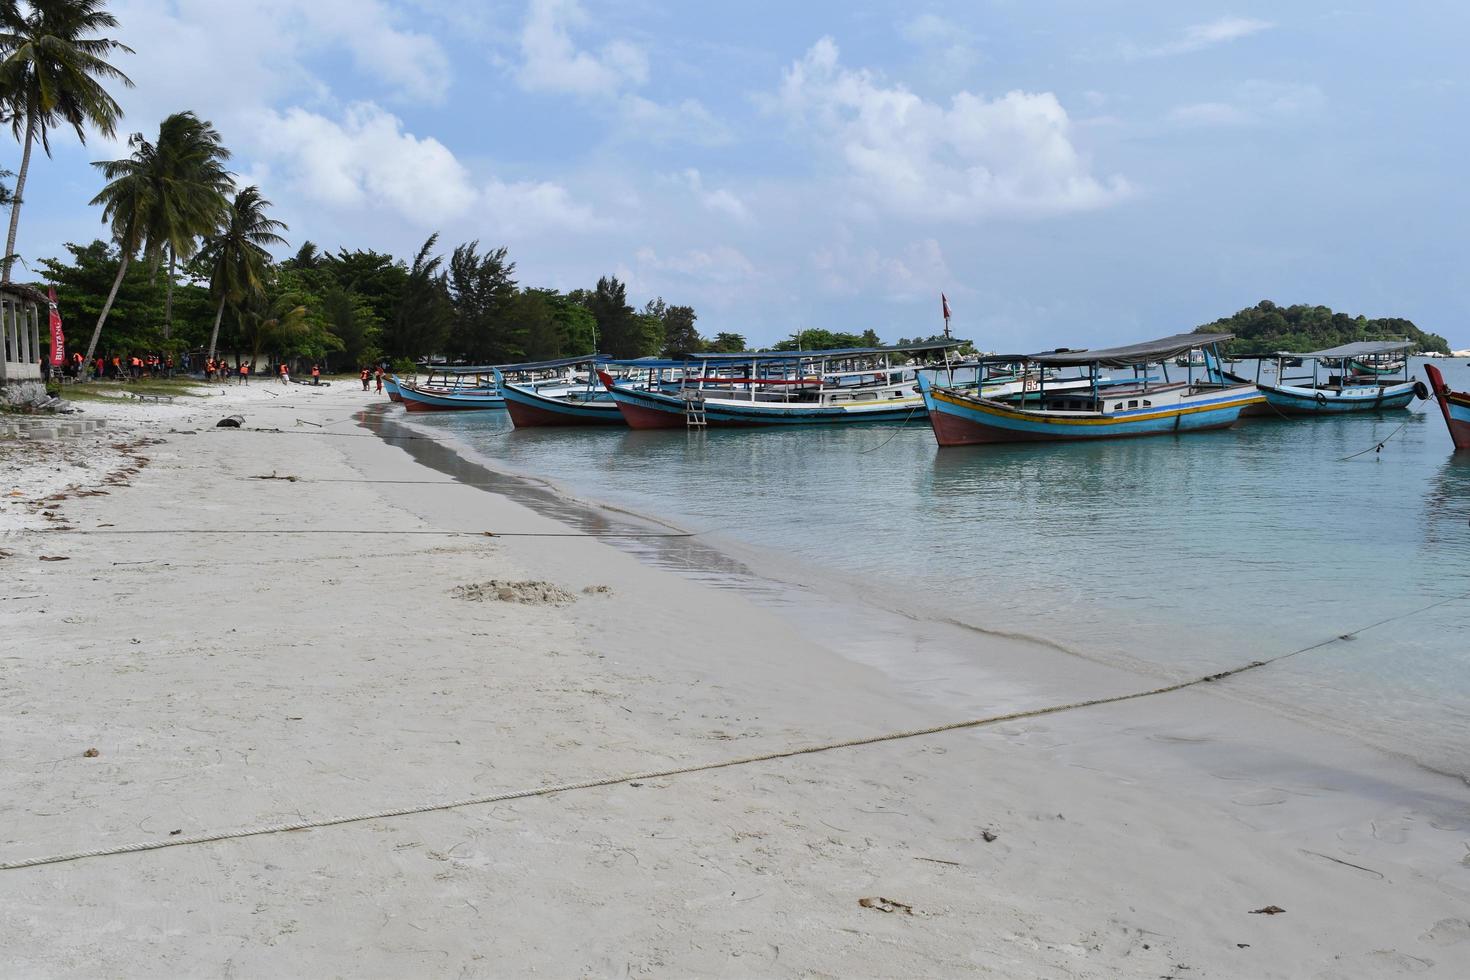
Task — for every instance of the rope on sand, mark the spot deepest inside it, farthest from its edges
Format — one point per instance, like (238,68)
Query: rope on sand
(651,774)
(375,531)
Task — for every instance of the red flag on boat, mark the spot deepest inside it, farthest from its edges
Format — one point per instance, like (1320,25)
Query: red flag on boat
(58,339)
(944,304)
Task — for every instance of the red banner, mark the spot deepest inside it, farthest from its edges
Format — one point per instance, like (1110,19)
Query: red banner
(58,339)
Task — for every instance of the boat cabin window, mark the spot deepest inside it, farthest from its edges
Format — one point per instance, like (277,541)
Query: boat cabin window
(1117,405)
(1133,403)
(1146,403)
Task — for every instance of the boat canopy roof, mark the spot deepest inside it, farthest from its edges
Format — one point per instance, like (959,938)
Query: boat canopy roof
(1148,352)
(785,356)
(1363,348)
(515,368)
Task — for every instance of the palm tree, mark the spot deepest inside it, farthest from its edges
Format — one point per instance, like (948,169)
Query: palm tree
(191,195)
(236,254)
(127,202)
(162,198)
(51,74)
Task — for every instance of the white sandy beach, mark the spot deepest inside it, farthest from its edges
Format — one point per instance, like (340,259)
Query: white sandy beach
(236,680)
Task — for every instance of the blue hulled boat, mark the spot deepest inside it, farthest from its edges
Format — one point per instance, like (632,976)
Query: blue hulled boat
(1106,408)
(1327,393)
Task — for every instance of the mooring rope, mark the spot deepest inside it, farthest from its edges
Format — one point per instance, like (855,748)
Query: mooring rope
(603,781)
(896,430)
(1378,446)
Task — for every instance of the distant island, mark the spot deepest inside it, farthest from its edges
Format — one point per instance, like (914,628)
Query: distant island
(1266,328)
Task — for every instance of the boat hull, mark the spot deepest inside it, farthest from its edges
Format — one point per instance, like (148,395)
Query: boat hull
(390,385)
(655,410)
(529,410)
(415,400)
(1454,405)
(1292,400)
(958,420)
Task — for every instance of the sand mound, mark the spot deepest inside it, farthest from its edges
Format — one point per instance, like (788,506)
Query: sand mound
(533,593)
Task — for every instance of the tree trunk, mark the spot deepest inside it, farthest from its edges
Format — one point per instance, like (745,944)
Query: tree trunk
(122,268)
(20,186)
(219,315)
(168,298)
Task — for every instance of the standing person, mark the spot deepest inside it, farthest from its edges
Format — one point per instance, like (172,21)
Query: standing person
(379,377)
(364,374)
(316,374)
(285,374)
(244,373)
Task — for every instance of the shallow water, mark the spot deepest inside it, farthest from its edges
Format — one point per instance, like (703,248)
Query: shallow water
(1174,555)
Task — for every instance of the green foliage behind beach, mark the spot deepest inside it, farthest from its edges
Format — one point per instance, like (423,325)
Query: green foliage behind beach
(1266,328)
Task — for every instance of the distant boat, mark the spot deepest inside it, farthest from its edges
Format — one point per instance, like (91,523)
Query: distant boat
(1107,408)
(1344,391)
(778,388)
(1455,406)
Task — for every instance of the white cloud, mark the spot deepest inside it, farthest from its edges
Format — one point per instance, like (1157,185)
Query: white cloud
(413,63)
(918,270)
(220,57)
(552,62)
(720,264)
(535,206)
(719,201)
(948,49)
(1210,114)
(364,160)
(919,159)
(1199,36)
(685,121)
(1254,102)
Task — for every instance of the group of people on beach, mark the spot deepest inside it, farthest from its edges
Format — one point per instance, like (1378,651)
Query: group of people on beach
(368,374)
(118,367)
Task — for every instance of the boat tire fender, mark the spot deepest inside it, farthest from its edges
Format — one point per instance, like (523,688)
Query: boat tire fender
(1321,398)
(1421,392)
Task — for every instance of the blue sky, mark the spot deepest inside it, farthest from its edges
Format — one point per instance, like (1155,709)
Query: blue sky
(1068,173)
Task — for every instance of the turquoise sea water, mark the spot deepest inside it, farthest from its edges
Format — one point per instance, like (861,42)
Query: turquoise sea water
(1172,554)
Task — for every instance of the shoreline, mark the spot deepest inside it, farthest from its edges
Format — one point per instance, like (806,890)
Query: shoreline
(849,605)
(1130,838)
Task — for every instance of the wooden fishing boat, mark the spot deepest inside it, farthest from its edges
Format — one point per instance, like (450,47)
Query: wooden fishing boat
(1149,406)
(582,402)
(390,385)
(470,389)
(779,388)
(1454,405)
(1344,391)
(478,388)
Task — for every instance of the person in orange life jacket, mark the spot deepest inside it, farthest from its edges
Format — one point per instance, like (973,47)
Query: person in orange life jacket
(316,374)
(244,373)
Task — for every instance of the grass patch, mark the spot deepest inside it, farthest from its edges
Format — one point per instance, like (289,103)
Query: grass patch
(105,391)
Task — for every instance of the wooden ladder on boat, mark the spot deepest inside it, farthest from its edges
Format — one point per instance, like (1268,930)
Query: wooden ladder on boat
(693,410)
